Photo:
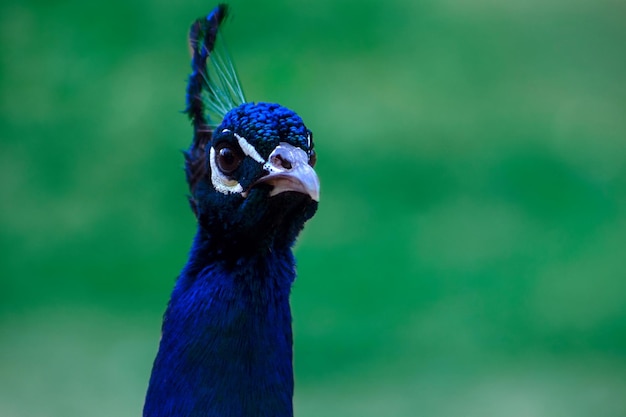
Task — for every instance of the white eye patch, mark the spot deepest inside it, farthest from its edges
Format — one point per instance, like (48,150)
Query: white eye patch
(249,149)
(221,182)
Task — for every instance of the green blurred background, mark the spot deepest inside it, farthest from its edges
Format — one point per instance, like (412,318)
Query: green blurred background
(468,257)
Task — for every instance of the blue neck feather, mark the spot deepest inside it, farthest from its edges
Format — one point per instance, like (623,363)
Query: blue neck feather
(226,346)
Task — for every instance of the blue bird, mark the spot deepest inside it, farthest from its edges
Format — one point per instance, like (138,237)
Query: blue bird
(226,344)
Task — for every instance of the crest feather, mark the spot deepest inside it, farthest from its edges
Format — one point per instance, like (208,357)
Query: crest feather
(213,88)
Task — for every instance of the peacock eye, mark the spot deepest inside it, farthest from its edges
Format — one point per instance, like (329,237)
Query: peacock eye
(310,145)
(312,159)
(228,159)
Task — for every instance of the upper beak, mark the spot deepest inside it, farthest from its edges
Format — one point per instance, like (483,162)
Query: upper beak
(289,170)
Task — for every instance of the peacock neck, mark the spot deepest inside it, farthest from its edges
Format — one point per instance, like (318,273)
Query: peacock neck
(226,346)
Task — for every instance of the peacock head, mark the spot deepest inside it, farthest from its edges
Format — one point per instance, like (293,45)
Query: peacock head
(250,166)
(253,184)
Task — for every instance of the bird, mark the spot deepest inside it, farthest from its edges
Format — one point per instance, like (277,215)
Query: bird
(226,337)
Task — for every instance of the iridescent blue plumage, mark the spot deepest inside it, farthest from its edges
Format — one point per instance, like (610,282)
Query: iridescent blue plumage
(226,346)
(266,123)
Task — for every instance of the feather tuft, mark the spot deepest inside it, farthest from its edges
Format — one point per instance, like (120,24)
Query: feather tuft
(214,88)
(212,91)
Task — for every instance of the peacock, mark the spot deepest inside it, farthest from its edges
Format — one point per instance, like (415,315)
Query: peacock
(226,342)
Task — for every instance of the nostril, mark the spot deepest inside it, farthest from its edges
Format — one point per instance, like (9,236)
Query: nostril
(281,162)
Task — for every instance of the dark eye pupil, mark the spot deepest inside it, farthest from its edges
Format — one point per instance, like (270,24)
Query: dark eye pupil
(228,160)
(312,159)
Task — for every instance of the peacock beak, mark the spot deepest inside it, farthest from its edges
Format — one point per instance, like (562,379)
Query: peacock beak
(289,170)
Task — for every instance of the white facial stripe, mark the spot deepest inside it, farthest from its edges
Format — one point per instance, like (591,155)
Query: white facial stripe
(220,181)
(308,141)
(249,149)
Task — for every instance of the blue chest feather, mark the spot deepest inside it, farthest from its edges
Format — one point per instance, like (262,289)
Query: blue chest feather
(226,347)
